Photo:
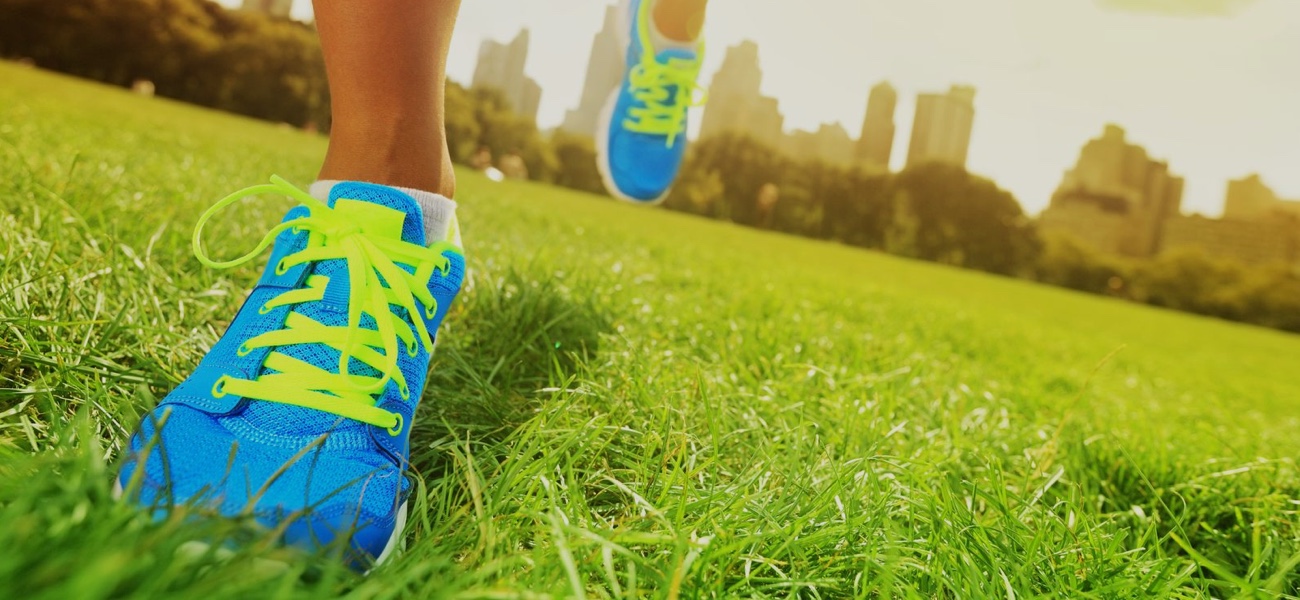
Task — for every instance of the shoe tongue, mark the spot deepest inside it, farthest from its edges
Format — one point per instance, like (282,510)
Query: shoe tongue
(379,210)
(665,56)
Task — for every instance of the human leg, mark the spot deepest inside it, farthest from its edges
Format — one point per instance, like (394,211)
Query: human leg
(387,63)
(300,415)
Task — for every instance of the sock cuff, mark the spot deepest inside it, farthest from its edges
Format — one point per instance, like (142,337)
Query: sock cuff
(438,210)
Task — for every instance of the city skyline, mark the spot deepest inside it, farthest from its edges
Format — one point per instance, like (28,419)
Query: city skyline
(1214,94)
(1119,200)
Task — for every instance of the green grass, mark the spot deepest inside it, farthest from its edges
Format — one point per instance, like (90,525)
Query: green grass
(634,403)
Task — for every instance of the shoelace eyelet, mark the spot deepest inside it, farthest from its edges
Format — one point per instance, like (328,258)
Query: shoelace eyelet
(264,309)
(281,267)
(396,429)
(405,391)
(219,388)
(412,350)
(243,350)
(431,310)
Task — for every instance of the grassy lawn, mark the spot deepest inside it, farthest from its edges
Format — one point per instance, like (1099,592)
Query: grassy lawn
(628,402)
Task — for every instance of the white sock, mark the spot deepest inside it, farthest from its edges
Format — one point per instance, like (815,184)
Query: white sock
(438,210)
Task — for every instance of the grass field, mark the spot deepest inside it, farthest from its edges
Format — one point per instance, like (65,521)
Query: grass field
(633,403)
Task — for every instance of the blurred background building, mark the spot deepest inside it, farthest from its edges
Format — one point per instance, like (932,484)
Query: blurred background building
(876,143)
(1116,198)
(604,74)
(1249,198)
(737,105)
(736,102)
(501,67)
(942,127)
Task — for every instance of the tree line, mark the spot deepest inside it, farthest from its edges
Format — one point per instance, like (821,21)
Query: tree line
(191,50)
(252,64)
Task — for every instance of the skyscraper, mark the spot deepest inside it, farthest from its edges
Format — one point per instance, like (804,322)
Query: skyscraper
(876,144)
(278,8)
(1249,198)
(604,74)
(942,128)
(1112,166)
(501,67)
(1116,198)
(736,102)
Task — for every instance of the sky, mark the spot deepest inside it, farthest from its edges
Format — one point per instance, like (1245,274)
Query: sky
(1212,86)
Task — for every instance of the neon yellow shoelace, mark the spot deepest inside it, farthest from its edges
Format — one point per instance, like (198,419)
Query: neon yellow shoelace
(665,110)
(369,258)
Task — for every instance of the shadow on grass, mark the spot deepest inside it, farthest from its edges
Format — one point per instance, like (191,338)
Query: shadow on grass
(511,334)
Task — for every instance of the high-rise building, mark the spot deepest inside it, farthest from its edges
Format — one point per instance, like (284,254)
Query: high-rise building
(876,144)
(1111,166)
(830,144)
(736,102)
(604,74)
(1249,198)
(278,8)
(501,67)
(1116,198)
(942,128)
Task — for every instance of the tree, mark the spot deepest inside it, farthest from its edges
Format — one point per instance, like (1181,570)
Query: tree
(1065,262)
(1189,281)
(461,122)
(857,209)
(192,50)
(698,191)
(504,132)
(966,220)
(576,159)
(745,166)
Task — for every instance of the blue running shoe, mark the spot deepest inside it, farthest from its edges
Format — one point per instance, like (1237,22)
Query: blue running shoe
(300,414)
(641,138)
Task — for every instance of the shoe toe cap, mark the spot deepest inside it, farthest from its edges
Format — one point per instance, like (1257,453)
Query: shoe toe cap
(361,535)
(185,456)
(642,167)
(161,455)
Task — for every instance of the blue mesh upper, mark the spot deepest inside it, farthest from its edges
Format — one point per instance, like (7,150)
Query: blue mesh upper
(349,482)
